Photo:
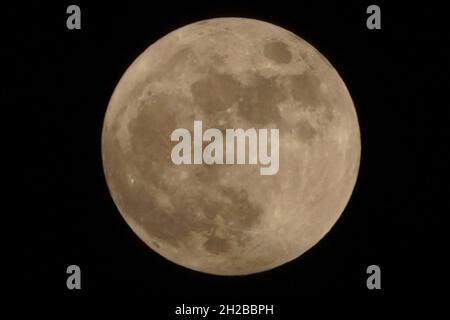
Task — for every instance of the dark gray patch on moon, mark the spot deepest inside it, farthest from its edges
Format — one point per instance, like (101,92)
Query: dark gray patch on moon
(278,52)
(305,131)
(149,133)
(237,210)
(305,89)
(260,99)
(147,161)
(257,102)
(215,92)
(216,245)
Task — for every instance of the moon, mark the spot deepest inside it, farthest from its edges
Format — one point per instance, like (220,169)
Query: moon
(231,73)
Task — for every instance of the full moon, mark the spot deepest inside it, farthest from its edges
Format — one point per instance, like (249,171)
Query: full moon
(231,73)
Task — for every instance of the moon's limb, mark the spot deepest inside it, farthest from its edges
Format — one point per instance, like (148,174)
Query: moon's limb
(231,73)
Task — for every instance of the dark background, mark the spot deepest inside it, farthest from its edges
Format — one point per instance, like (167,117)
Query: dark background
(61,86)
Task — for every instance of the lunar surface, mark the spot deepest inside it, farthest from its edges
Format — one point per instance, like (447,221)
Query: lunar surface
(231,73)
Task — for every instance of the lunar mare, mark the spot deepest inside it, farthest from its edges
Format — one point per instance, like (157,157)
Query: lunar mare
(231,73)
